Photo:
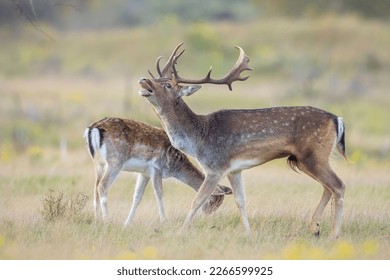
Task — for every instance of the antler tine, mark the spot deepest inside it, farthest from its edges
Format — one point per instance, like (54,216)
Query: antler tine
(232,76)
(166,72)
(158,66)
(150,73)
(242,63)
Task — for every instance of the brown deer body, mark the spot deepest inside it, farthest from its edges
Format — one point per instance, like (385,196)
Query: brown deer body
(121,144)
(226,142)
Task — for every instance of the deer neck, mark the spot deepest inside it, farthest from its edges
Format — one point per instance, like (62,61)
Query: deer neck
(190,175)
(182,125)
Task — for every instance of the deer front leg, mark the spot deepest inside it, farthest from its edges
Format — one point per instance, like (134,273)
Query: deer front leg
(139,190)
(236,182)
(158,192)
(204,192)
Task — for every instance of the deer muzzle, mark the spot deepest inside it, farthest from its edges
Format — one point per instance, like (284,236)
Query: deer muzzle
(146,89)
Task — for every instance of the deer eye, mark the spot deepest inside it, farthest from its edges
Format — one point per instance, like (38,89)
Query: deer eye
(167,85)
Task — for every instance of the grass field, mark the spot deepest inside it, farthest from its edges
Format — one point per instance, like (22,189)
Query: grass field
(50,92)
(280,203)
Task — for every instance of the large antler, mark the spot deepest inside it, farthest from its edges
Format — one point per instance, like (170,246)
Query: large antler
(234,74)
(167,71)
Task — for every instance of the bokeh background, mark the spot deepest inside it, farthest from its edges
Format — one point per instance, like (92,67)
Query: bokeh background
(65,64)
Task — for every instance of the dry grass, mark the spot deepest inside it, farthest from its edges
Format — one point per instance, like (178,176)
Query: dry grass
(279,210)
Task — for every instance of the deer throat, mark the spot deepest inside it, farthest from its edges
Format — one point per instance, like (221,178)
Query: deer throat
(182,143)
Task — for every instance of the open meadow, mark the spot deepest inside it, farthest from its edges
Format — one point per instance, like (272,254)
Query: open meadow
(51,90)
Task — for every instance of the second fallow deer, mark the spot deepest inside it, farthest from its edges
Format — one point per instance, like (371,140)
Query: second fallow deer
(226,142)
(117,144)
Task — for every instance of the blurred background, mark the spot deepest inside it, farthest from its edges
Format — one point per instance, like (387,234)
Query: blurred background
(65,64)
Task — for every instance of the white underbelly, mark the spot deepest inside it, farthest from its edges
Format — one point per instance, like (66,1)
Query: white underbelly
(137,165)
(241,164)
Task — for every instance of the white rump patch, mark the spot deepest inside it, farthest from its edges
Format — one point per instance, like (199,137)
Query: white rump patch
(103,152)
(95,138)
(86,135)
(340,128)
(95,142)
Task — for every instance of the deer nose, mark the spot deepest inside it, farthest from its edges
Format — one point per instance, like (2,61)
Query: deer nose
(142,80)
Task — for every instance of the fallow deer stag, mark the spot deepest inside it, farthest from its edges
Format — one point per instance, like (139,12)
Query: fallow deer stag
(228,141)
(121,144)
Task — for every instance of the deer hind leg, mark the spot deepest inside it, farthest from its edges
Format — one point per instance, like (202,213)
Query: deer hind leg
(236,182)
(315,220)
(139,190)
(337,206)
(105,183)
(204,192)
(333,187)
(96,199)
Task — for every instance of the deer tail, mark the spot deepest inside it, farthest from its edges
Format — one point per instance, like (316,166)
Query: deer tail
(340,139)
(93,139)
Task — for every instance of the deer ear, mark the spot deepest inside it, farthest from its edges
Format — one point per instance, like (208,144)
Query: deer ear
(188,90)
